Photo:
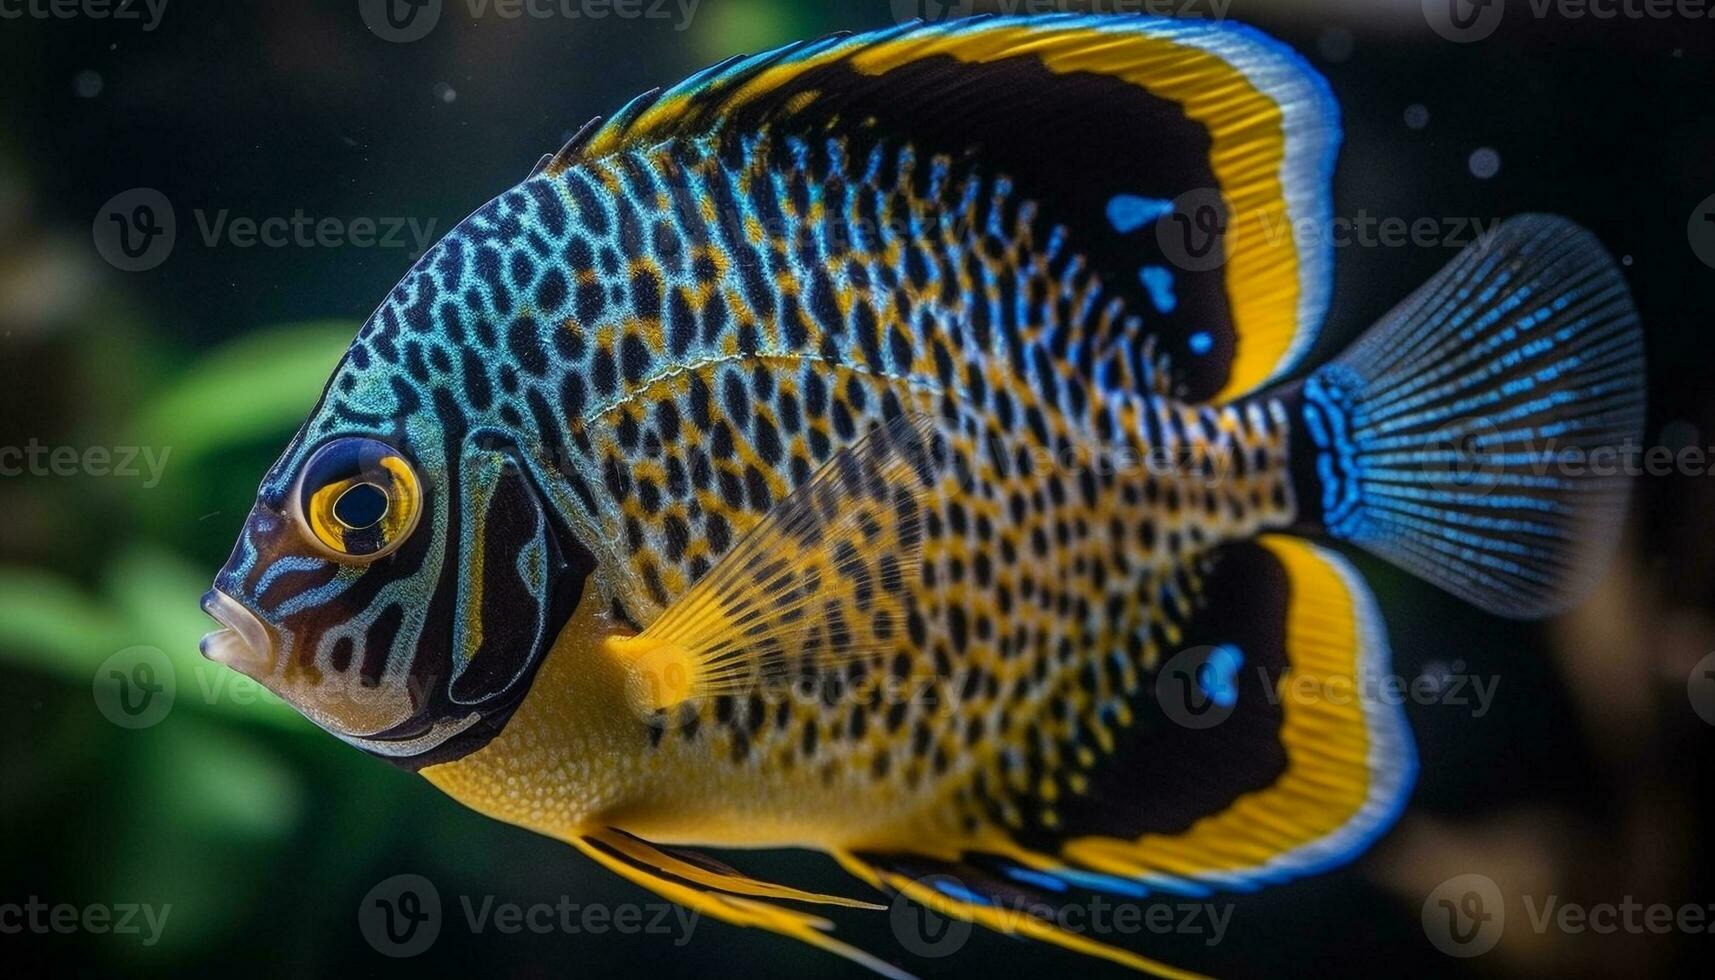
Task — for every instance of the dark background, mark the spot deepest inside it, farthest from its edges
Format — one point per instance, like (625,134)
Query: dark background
(265,835)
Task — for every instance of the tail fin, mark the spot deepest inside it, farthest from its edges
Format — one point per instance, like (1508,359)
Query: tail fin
(1474,437)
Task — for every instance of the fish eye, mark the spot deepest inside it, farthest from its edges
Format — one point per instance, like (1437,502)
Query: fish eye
(357,499)
(361,506)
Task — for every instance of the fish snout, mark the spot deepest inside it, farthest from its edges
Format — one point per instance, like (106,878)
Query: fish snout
(243,644)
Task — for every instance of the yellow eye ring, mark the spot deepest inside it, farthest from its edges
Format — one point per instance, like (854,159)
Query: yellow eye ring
(358,499)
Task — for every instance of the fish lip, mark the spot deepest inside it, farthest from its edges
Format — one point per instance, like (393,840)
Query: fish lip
(244,643)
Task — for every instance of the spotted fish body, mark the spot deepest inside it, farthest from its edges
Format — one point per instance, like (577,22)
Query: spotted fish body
(620,374)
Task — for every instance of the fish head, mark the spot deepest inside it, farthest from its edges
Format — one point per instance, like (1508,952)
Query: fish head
(404,570)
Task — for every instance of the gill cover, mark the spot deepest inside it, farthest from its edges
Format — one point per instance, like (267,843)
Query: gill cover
(512,581)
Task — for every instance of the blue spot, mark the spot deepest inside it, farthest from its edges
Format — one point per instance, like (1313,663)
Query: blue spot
(1159,282)
(1029,876)
(958,892)
(1216,675)
(1128,212)
(1202,343)
(1104,883)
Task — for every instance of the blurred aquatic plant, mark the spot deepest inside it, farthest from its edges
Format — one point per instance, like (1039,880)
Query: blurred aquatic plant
(209,786)
(253,391)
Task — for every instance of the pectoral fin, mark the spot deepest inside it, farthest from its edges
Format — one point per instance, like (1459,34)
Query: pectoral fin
(822,579)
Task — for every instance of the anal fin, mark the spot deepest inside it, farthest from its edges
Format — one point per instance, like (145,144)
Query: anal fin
(961,891)
(1281,761)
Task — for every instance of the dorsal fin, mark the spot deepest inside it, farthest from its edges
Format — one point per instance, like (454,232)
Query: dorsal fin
(571,153)
(701,102)
(1189,160)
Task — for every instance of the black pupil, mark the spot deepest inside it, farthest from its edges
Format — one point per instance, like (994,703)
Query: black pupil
(362,506)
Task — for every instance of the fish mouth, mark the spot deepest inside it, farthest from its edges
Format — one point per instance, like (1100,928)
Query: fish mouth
(243,644)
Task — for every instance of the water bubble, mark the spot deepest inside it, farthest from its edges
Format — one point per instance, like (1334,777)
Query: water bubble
(1336,44)
(1680,434)
(446,93)
(1485,162)
(1417,116)
(87,84)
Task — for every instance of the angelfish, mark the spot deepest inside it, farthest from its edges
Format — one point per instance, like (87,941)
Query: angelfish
(898,445)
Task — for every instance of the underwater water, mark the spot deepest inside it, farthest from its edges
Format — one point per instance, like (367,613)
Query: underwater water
(160,814)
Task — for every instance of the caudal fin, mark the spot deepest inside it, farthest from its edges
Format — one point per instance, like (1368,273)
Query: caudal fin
(1475,436)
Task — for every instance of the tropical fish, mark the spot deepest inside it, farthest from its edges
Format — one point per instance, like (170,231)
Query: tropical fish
(836,449)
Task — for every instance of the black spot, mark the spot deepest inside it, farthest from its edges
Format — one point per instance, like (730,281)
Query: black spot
(476,384)
(634,358)
(681,324)
(736,401)
(901,349)
(732,490)
(702,411)
(572,396)
(604,372)
(526,347)
(768,441)
(550,292)
(591,301)
(667,420)
(719,533)
(756,486)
